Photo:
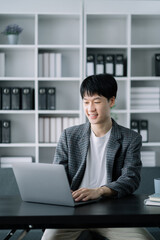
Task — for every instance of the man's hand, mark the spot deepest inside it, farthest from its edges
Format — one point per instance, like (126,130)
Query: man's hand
(85,194)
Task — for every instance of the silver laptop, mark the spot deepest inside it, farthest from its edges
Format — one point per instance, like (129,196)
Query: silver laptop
(44,183)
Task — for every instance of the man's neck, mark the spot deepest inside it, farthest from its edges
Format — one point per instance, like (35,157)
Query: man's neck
(101,129)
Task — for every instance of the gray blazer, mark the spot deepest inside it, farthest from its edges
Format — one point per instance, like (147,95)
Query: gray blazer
(122,161)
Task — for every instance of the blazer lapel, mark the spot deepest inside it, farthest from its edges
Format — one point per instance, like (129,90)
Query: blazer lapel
(112,148)
(84,143)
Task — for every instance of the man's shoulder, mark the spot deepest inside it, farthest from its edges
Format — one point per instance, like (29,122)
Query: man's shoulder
(124,131)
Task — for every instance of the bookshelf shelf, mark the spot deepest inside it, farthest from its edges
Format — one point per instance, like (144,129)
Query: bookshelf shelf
(17,112)
(47,145)
(59,47)
(60,112)
(151,144)
(67,79)
(145,46)
(102,46)
(119,111)
(144,111)
(17,79)
(17,145)
(18,46)
(145,78)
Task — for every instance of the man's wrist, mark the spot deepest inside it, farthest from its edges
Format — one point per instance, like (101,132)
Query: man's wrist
(106,191)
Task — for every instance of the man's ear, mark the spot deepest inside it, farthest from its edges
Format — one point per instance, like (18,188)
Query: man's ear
(112,101)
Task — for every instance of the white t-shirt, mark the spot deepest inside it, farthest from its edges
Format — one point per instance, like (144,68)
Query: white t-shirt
(96,170)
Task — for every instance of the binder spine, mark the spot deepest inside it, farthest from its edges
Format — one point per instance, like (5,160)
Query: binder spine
(119,65)
(15,98)
(100,64)
(51,98)
(0,98)
(135,125)
(42,99)
(157,64)
(90,64)
(6,131)
(27,98)
(109,64)
(144,130)
(6,98)
(0,131)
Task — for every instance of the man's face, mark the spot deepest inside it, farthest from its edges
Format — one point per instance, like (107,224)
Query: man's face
(97,108)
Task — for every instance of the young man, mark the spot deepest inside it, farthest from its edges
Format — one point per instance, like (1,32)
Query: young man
(101,158)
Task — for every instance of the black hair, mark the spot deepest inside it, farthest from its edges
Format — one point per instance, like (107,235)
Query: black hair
(102,84)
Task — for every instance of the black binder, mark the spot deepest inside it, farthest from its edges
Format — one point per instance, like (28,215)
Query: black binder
(0,131)
(100,64)
(90,64)
(0,98)
(27,98)
(42,98)
(109,64)
(135,125)
(6,98)
(157,64)
(15,98)
(144,130)
(51,98)
(119,65)
(6,131)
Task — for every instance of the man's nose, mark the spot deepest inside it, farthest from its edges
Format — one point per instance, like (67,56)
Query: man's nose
(91,107)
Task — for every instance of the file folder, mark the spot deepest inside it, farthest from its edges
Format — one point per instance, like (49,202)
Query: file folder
(51,98)
(135,125)
(6,131)
(100,64)
(0,98)
(2,64)
(42,98)
(90,64)
(109,64)
(15,98)
(27,98)
(6,98)
(0,131)
(119,65)
(144,130)
(157,64)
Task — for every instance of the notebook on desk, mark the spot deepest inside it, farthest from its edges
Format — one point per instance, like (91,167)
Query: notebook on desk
(44,183)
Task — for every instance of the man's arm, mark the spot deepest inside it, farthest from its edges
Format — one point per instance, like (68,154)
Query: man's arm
(130,177)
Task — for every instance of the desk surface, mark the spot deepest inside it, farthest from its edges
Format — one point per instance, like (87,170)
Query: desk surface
(125,212)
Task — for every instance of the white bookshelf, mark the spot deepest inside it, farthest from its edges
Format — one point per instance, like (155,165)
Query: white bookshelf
(75,29)
(54,28)
(129,28)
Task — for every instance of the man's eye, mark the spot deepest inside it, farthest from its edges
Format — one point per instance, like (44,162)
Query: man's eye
(96,102)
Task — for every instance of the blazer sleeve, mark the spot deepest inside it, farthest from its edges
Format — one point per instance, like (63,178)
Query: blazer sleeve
(129,179)
(61,153)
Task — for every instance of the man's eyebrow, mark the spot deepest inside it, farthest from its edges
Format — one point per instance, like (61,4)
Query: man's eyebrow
(93,98)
